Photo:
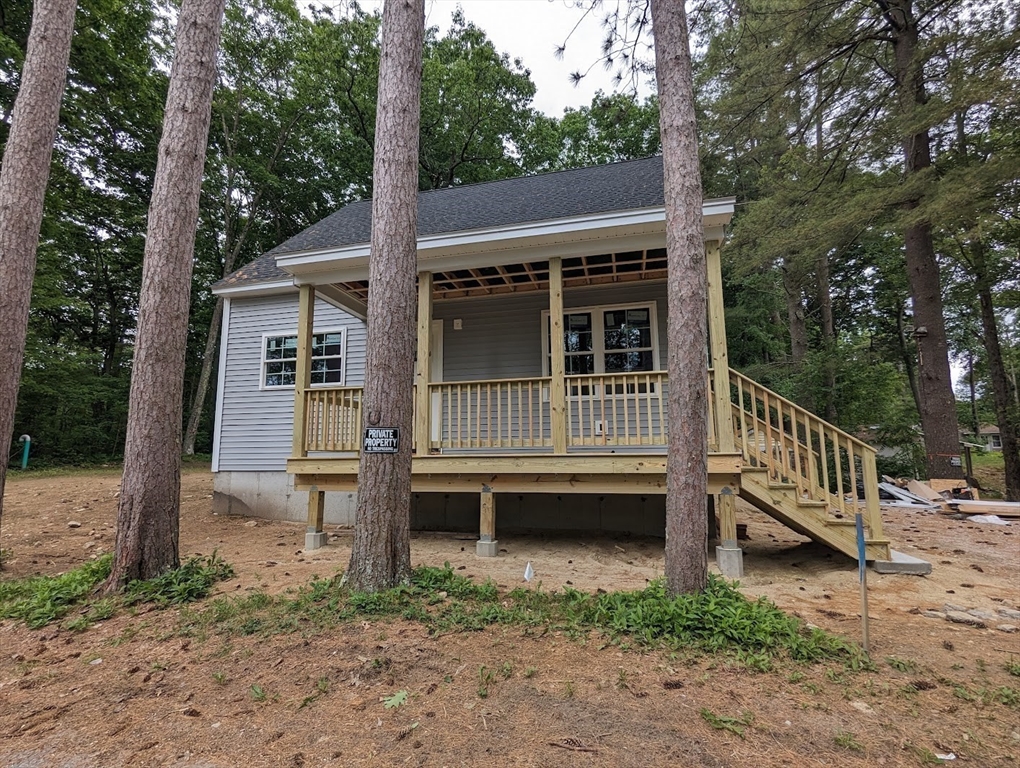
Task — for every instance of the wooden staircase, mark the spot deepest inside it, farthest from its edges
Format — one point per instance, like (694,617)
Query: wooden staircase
(804,472)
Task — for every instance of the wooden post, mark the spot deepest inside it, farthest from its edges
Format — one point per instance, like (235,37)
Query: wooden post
(422,404)
(303,378)
(315,538)
(728,555)
(718,356)
(487,545)
(558,385)
(726,509)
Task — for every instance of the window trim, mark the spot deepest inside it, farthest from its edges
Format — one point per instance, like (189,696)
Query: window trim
(599,333)
(342,330)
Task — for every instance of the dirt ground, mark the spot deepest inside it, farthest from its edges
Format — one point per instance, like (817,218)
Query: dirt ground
(132,691)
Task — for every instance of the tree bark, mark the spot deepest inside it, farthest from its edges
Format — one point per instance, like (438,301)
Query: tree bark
(687,286)
(1006,413)
(381,552)
(23,179)
(795,315)
(148,512)
(824,294)
(938,404)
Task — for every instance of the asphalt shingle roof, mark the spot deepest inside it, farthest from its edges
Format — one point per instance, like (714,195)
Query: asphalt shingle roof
(562,194)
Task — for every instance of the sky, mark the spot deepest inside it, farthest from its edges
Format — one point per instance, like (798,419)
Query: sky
(531,30)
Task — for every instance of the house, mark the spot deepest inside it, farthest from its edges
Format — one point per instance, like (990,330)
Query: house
(540,383)
(988,438)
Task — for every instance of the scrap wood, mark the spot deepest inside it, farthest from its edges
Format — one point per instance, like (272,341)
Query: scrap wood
(924,490)
(899,494)
(1000,508)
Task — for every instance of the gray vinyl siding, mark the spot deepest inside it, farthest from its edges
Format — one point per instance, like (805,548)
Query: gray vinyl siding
(256,426)
(501,337)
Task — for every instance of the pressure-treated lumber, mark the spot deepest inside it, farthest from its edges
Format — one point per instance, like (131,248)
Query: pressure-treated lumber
(303,378)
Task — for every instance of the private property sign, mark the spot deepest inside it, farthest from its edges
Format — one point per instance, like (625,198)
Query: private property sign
(382,440)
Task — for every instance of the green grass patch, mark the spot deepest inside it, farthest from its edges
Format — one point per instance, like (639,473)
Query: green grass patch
(40,600)
(720,619)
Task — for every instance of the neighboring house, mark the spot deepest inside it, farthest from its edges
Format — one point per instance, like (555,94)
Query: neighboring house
(988,437)
(541,381)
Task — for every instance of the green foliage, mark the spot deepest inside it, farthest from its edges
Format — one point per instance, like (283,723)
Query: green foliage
(397,699)
(718,620)
(847,740)
(1013,667)
(192,581)
(39,600)
(725,723)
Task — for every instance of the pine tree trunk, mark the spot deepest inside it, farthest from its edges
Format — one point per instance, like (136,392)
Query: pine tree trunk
(938,404)
(795,315)
(381,552)
(1006,413)
(23,178)
(148,512)
(687,463)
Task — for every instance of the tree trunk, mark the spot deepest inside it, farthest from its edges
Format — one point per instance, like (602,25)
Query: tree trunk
(938,404)
(381,552)
(824,294)
(795,315)
(23,178)
(198,402)
(687,287)
(148,512)
(1006,413)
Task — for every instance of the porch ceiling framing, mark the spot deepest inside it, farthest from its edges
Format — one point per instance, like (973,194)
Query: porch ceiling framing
(595,269)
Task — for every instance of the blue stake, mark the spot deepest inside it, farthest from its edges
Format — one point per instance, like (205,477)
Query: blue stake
(24,453)
(862,569)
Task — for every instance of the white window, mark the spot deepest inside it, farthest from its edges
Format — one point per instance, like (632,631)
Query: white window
(606,339)
(279,359)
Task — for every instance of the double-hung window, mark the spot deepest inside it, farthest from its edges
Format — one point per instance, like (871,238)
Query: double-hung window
(606,340)
(279,359)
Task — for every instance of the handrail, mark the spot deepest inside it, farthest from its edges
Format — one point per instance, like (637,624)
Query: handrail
(823,462)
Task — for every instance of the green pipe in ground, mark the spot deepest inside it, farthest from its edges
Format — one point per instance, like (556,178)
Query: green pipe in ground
(24,453)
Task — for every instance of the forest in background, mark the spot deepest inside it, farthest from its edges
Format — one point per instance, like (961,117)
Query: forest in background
(799,119)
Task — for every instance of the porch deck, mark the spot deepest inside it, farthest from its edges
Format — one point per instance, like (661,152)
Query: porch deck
(499,436)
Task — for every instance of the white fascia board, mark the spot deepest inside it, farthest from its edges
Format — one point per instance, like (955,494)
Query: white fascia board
(480,240)
(631,230)
(274,288)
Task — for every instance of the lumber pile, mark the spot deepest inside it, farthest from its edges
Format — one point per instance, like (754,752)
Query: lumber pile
(913,494)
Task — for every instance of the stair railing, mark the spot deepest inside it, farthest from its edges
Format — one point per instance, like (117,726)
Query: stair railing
(821,461)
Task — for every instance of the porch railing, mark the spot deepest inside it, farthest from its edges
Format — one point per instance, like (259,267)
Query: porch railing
(333,419)
(506,413)
(821,461)
(604,410)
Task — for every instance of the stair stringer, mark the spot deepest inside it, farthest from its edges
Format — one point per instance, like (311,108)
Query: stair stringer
(782,504)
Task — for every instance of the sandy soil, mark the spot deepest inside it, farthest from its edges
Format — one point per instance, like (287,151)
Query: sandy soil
(132,691)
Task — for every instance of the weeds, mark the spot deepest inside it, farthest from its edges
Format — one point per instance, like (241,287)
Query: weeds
(40,600)
(718,619)
(258,693)
(724,723)
(847,740)
(901,665)
(1013,667)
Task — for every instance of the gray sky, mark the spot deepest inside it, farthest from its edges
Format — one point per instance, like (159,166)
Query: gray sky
(531,30)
